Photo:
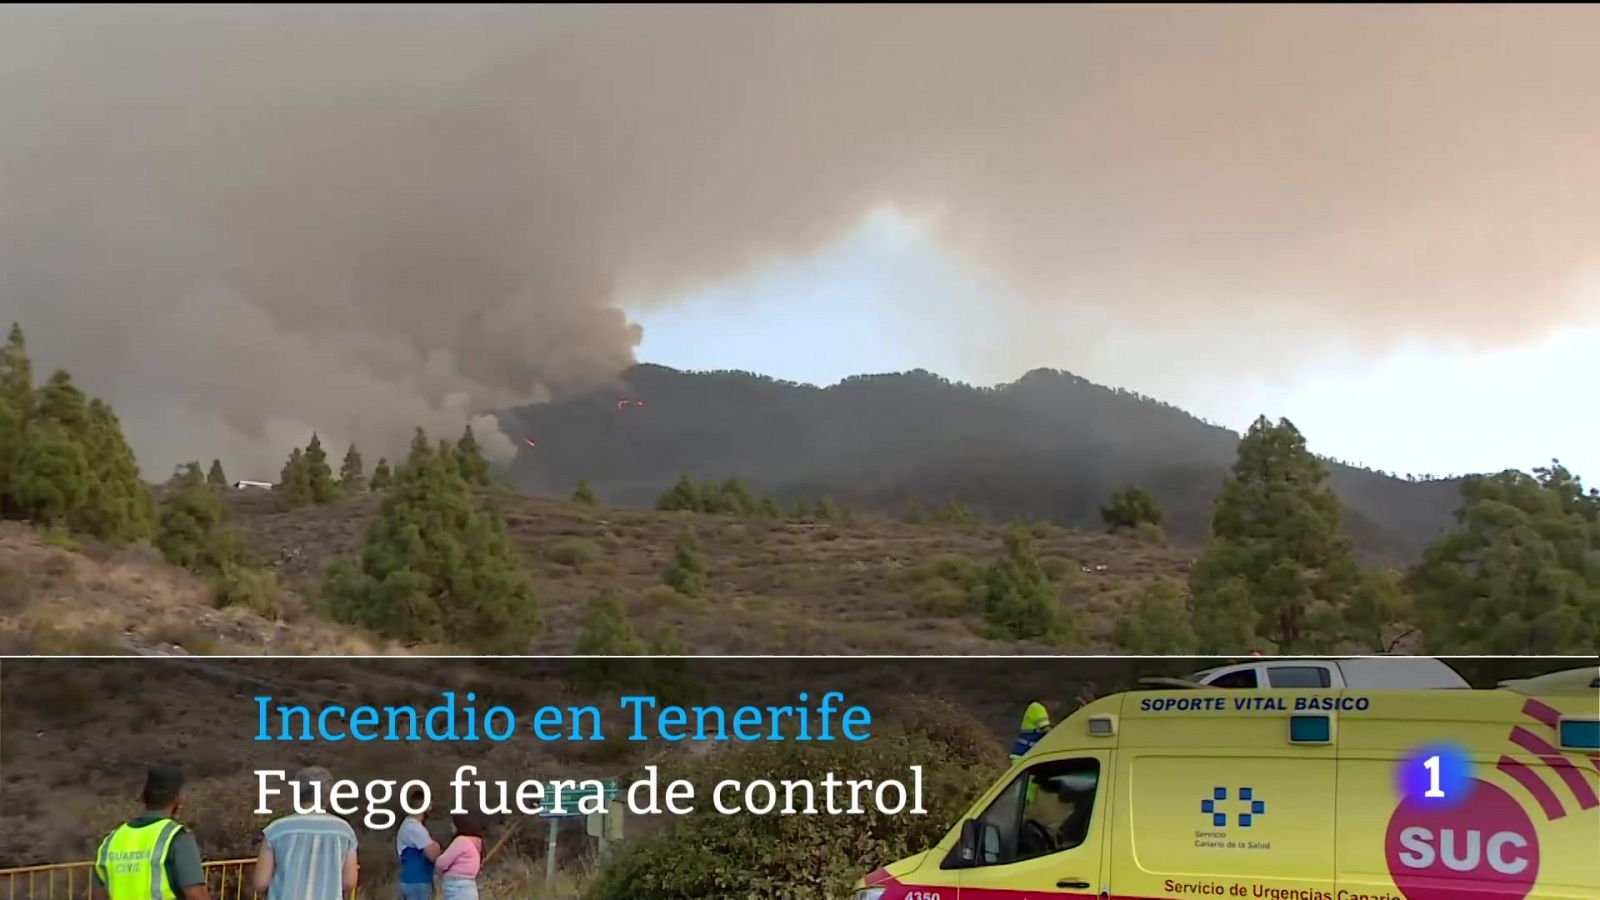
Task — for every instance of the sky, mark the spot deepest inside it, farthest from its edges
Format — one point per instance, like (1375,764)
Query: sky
(243,223)
(1415,409)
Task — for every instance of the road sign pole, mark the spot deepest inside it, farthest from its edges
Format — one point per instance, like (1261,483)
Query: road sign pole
(550,854)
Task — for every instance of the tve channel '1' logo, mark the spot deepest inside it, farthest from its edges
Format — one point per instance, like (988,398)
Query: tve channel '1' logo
(1450,831)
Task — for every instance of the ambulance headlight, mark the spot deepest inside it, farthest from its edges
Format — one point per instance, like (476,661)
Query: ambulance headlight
(869,894)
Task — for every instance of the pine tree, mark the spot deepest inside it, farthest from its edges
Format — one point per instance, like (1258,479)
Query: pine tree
(119,507)
(216,477)
(686,574)
(60,401)
(438,566)
(670,678)
(190,533)
(1276,539)
(606,631)
(51,480)
(11,443)
(1157,624)
(188,475)
(736,498)
(1021,601)
(769,509)
(1226,620)
(319,475)
(709,499)
(681,497)
(583,495)
(825,511)
(469,457)
(1129,508)
(381,476)
(293,489)
(16,375)
(352,480)
(449,460)
(801,511)
(1520,574)
(1377,608)
(16,409)
(421,455)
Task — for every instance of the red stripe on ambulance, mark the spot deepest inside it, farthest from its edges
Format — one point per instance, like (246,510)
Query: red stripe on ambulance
(1534,785)
(1552,757)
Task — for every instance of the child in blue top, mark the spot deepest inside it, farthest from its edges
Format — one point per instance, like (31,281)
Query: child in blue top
(417,850)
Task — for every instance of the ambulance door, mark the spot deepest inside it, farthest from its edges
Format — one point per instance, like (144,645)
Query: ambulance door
(1043,835)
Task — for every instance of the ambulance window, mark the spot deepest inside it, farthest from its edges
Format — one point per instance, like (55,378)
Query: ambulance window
(1244,678)
(1299,677)
(1045,810)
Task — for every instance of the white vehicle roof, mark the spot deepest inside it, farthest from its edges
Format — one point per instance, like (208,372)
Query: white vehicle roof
(1378,672)
(1370,672)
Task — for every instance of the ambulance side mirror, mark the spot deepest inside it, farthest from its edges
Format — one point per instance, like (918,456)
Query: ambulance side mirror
(966,854)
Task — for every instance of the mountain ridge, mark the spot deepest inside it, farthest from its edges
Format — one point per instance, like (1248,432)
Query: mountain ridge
(1048,446)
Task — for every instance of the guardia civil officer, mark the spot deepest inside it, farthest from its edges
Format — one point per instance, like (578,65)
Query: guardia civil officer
(151,856)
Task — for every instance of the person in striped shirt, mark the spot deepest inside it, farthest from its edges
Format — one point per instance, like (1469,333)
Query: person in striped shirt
(307,856)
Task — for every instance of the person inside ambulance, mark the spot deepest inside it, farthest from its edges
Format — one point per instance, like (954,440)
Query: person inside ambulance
(1057,814)
(1045,810)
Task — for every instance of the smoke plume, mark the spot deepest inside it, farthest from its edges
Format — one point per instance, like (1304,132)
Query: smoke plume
(243,223)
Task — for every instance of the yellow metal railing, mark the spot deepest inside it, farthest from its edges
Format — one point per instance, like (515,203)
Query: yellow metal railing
(229,879)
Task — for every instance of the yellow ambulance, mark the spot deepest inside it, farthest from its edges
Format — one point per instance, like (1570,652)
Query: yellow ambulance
(1289,795)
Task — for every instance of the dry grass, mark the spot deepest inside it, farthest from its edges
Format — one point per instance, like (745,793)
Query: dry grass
(102,602)
(773,587)
(871,587)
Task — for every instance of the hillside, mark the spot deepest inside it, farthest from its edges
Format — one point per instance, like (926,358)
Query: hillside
(1050,446)
(90,600)
(774,587)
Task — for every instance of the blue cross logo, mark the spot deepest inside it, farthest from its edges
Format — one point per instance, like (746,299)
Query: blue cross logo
(1253,807)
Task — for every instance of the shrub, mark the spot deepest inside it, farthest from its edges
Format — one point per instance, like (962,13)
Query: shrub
(574,553)
(1150,533)
(941,598)
(1129,508)
(1059,568)
(954,513)
(45,639)
(185,635)
(59,539)
(253,588)
(687,572)
(1158,622)
(664,596)
(951,567)
(583,495)
(707,854)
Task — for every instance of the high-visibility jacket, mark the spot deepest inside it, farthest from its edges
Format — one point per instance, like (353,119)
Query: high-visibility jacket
(132,862)
(1035,722)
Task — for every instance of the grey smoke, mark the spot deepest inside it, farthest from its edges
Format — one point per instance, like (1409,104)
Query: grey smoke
(242,223)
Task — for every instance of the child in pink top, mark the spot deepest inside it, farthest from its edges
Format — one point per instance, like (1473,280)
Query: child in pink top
(458,865)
